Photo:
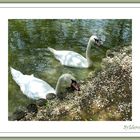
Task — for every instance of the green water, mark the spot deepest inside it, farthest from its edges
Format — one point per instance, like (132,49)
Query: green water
(29,39)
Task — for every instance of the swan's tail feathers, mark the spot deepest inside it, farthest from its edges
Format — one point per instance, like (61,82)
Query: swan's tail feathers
(16,75)
(51,50)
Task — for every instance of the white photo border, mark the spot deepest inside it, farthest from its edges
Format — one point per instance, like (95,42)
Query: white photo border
(69,128)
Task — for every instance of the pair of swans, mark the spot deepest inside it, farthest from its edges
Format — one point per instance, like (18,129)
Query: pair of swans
(36,88)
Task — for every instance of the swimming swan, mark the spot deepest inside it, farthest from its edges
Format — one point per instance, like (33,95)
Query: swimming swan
(73,59)
(36,88)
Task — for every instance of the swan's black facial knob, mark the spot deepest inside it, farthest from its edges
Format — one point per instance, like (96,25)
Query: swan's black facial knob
(98,42)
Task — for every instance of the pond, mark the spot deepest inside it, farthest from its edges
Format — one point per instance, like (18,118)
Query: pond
(29,39)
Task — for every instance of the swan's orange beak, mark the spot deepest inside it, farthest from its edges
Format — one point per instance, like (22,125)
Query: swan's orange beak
(75,85)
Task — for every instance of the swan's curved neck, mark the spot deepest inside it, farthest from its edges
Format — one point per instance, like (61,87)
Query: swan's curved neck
(57,89)
(88,54)
(59,86)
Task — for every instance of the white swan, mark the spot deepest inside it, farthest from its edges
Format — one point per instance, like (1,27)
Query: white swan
(73,59)
(36,88)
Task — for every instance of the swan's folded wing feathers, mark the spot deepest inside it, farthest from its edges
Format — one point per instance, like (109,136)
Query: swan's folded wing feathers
(61,56)
(31,86)
(70,58)
(39,88)
(74,59)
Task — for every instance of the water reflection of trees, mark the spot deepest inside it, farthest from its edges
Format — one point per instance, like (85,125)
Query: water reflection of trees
(118,32)
(43,33)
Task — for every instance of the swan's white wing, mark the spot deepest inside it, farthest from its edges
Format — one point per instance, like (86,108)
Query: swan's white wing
(37,88)
(21,79)
(71,59)
(31,86)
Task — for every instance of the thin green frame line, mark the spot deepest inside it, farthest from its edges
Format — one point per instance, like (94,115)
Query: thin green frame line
(69,1)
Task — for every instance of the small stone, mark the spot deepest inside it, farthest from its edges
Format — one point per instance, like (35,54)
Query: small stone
(18,115)
(32,108)
(50,96)
(41,102)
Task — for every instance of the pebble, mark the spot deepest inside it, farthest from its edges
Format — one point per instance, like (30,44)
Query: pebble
(41,102)
(18,115)
(32,108)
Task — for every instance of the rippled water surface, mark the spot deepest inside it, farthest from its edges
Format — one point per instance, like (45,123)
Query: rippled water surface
(29,40)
